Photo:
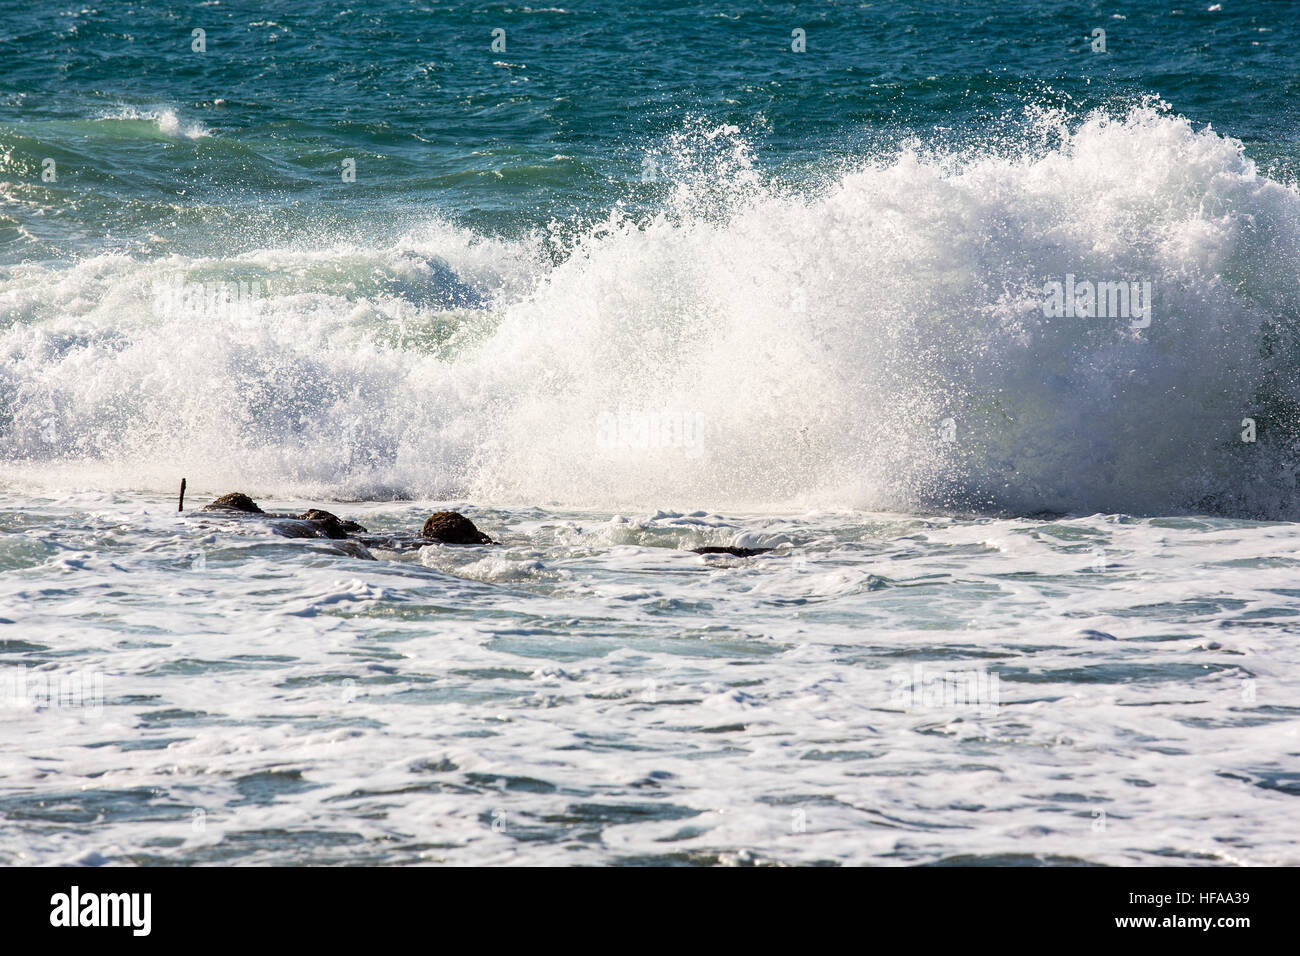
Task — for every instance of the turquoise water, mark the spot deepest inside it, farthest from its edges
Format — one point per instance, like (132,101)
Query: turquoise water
(561,124)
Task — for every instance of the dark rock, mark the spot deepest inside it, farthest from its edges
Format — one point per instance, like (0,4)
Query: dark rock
(330,525)
(451,527)
(288,527)
(354,548)
(235,501)
(734,552)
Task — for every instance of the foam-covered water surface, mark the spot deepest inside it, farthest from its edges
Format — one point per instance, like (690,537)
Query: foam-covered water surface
(878,688)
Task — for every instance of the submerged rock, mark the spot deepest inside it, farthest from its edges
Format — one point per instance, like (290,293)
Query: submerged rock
(734,552)
(330,525)
(235,501)
(452,527)
(354,548)
(287,526)
(312,523)
(448,527)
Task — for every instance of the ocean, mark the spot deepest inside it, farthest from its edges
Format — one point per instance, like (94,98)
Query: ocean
(979,321)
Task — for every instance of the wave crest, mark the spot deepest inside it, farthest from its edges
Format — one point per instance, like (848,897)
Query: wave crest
(878,341)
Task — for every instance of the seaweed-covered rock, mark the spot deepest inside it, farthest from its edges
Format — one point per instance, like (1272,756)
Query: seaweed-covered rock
(235,501)
(330,525)
(452,527)
(735,552)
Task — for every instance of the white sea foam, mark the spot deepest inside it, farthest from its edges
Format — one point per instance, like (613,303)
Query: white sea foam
(877,341)
(163,119)
(580,696)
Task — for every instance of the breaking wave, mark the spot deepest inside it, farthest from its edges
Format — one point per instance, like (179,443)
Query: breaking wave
(876,341)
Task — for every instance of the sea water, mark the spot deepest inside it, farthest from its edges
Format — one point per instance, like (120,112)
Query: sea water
(616,284)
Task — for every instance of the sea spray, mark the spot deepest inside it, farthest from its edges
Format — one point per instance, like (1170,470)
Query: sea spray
(877,341)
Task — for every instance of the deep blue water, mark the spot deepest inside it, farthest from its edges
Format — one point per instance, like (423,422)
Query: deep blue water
(565,122)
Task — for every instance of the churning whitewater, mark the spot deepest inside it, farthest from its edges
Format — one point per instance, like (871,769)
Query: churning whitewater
(878,340)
